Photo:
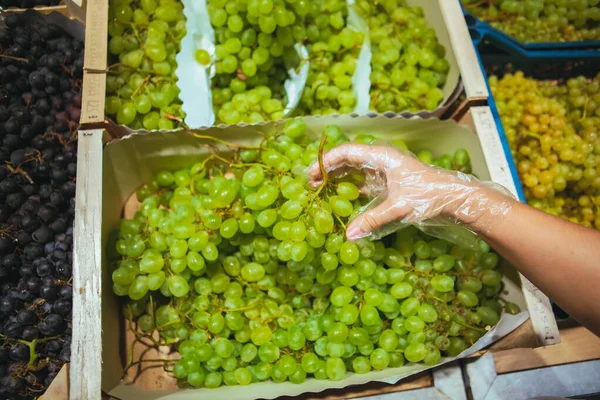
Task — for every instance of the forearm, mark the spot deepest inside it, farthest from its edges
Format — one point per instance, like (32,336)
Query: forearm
(559,257)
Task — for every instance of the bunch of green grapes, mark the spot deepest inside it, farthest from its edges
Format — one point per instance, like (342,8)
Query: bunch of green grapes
(333,51)
(408,64)
(552,131)
(244,267)
(141,85)
(254,50)
(541,20)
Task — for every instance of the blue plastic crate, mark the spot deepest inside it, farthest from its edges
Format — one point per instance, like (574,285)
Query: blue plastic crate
(485,28)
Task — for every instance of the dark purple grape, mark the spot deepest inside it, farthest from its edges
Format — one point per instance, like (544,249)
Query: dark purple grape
(33,250)
(6,305)
(30,333)
(29,223)
(26,317)
(12,329)
(47,212)
(44,268)
(62,307)
(43,234)
(48,292)
(19,352)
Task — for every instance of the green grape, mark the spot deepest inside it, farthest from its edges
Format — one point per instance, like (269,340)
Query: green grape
(388,340)
(361,365)
(401,290)
(379,359)
(213,380)
(341,296)
(349,253)
(369,315)
(287,365)
(335,368)
(415,352)
(442,283)
(468,299)
(373,297)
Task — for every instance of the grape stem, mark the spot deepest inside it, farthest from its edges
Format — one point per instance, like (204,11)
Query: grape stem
(128,367)
(18,170)
(340,221)
(142,86)
(31,345)
(14,58)
(322,165)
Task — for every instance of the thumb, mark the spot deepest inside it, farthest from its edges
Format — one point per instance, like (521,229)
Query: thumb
(369,221)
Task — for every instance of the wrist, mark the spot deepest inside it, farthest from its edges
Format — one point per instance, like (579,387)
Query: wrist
(482,208)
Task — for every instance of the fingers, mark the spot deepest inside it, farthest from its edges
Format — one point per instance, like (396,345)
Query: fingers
(351,155)
(372,220)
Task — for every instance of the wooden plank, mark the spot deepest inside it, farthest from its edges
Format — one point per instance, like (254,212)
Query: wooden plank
(468,63)
(577,344)
(538,304)
(86,347)
(94,66)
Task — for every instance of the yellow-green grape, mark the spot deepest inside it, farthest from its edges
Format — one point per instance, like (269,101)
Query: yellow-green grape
(202,57)
(558,166)
(540,21)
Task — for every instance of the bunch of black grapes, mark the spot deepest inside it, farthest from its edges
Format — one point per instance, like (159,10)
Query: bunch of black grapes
(40,100)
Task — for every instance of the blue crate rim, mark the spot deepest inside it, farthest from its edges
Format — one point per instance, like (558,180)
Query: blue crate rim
(510,47)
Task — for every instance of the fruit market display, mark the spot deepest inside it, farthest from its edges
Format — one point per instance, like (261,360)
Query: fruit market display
(408,64)
(552,130)
(541,20)
(41,70)
(244,269)
(256,45)
(144,39)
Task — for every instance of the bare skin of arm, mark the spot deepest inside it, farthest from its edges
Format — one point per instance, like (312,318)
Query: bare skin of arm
(559,257)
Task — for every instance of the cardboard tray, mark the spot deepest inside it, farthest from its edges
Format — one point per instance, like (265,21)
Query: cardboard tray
(445,16)
(123,165)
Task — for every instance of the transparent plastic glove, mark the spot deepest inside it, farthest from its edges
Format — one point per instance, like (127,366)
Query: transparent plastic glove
(407,192)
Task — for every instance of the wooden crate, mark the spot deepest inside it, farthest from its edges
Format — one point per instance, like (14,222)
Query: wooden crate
(87,341)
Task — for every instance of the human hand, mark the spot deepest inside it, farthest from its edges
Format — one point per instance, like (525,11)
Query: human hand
(407,191)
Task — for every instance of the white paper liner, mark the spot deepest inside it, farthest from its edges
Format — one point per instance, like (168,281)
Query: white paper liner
(194,80)
(294,86)
(361,80)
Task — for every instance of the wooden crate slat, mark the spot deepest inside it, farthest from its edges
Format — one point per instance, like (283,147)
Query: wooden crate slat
(577,344)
